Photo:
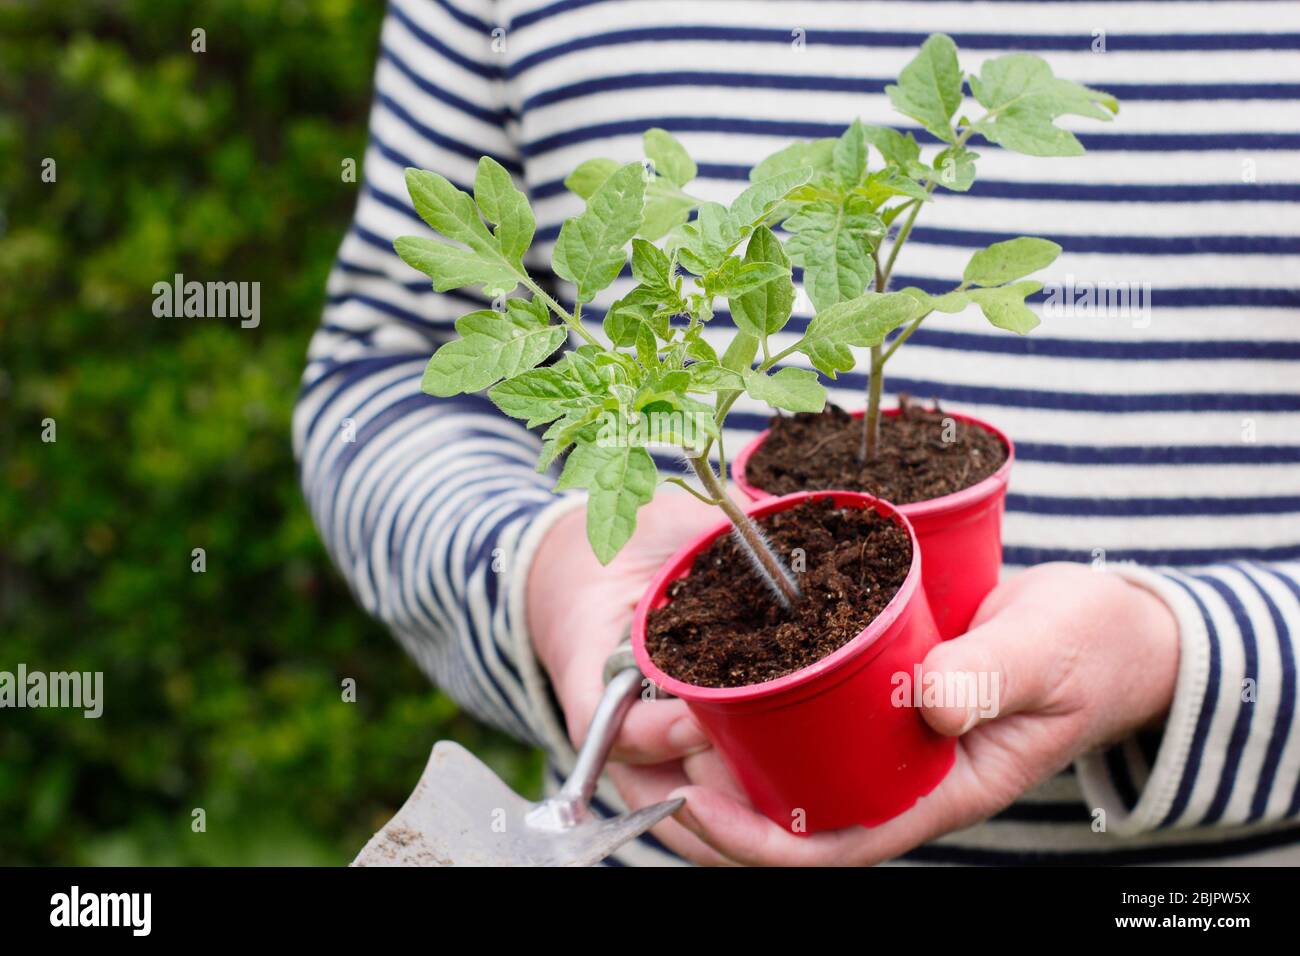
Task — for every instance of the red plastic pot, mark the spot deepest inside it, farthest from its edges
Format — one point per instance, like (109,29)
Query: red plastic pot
(960,534)
(824,747)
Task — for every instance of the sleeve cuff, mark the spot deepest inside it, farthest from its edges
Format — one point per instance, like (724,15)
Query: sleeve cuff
(1136,792)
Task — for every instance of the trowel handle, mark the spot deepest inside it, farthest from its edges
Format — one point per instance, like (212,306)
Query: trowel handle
(623,683)
(620,692)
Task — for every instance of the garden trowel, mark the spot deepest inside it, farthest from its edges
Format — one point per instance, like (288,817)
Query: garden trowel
(462,814)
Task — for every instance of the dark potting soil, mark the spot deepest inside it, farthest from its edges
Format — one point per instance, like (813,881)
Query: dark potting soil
(819,451)
(723,627)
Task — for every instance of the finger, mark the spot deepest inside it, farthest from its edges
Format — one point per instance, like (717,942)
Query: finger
(742,834)
(653,731)
(707,769)
(1004,666)
(644,786)
(998,599)
(658,731)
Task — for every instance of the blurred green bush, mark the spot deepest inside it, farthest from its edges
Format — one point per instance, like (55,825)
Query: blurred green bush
(222,689)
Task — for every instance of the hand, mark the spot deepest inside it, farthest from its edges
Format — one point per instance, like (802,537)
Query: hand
(1083,659)
(579,611)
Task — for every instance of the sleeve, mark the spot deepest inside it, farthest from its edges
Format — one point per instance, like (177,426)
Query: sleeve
(1229,753)
(430,508)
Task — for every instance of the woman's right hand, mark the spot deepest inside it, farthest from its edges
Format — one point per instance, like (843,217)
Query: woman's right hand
(579,611)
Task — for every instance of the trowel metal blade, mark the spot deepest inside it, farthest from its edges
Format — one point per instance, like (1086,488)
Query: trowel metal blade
(462,814)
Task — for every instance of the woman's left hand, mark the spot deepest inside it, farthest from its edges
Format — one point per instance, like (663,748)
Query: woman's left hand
(1082,659)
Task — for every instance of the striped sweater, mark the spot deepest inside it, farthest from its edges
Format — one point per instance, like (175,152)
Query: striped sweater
(1164,441)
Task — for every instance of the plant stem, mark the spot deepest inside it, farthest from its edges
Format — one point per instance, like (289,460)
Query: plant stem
(683,483)
(724,406)
(882,276)
(904,336)
(871,420)
(780,580)
(569,320)
(875,385)
(722,464)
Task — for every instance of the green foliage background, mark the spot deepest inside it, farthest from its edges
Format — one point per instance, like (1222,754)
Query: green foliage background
(222,689)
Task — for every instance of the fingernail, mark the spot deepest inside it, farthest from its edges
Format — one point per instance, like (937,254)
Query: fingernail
(683,814)
(685,735)
(972,718)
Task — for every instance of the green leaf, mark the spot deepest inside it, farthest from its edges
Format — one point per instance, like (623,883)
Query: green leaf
(735,277)
(647,347)
(706,241)
(451,267)
(894,147)
(527,312)
(619,480)
(590,176)
(1023,129)
(1005,261)
(860,322)
(698,348)
(563,432)
(712,377)
(1005,307)
(833,243)
(891,181)
(506,206)
(666,208)
(662,391)
(794,389)
(929,88)
(1024,99)
(752,205)
(625,317)
(950,302)
(580,367)
(954,168)
(1023,79)
(454,214)
(765,310)
(652,269)
(740,353)
(669,157)
(492,346)
(541,395)
(817,155)
(449,211)
(850,155)
(590,250)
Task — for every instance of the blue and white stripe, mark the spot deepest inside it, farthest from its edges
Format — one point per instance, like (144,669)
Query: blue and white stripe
(1172,444)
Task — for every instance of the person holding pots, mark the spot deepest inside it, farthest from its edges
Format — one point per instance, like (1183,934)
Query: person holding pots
(1146,631)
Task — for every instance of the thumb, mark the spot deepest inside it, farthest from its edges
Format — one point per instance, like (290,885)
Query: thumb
(1000,668)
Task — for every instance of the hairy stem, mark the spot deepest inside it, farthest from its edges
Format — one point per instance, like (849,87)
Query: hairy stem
(571,321)
(871,420)
(904,336)
(882,275)
(769,565)
(683,483)
(727,400)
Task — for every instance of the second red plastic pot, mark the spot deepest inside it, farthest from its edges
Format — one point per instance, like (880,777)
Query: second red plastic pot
(960,534)
(829,745)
